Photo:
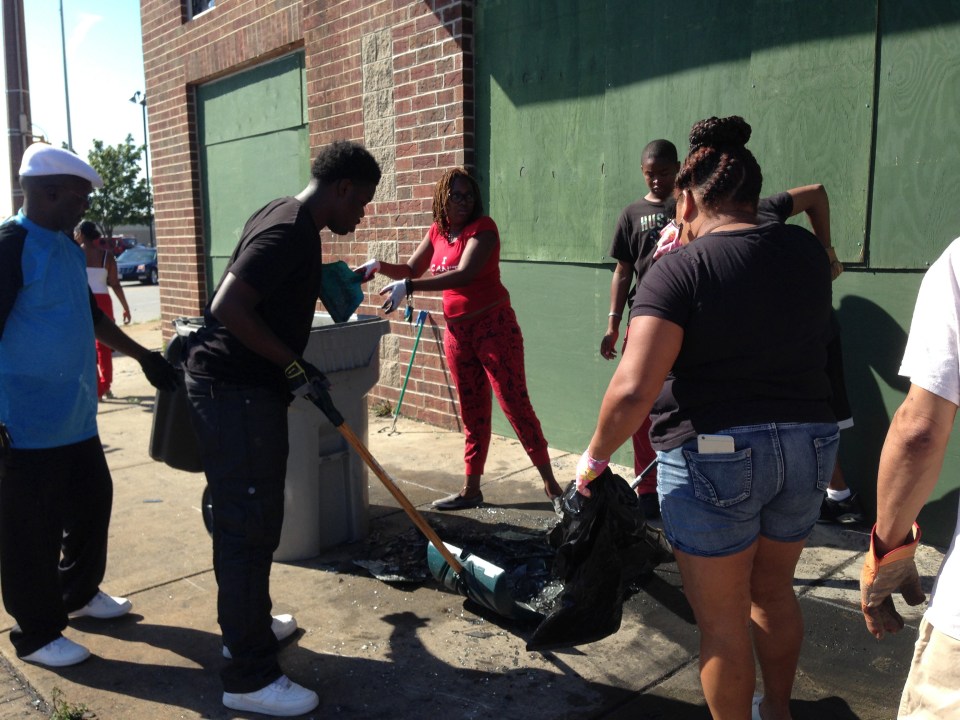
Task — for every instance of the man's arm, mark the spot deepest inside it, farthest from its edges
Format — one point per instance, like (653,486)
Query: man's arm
(107,332)
(234,305)
(814,201)
(910,463)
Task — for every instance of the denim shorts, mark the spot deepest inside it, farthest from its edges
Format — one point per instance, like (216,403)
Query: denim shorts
(773,483)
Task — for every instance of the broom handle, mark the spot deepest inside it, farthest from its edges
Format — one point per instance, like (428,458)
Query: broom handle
(416,343)
(408,507)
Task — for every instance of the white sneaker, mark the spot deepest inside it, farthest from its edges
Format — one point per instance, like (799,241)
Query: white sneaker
(282,697)
(58,653)
(103,607)
(283,626)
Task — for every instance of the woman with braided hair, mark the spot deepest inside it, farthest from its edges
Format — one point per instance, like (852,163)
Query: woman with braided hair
(727,352)
(483,343)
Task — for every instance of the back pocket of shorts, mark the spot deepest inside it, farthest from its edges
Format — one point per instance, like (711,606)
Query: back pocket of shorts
(826,448)
(720,479)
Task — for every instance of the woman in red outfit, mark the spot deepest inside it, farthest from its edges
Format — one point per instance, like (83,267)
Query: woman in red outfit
(101,274)
(483,343)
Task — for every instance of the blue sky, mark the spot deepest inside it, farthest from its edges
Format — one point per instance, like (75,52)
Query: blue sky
(104,69)
(104,59)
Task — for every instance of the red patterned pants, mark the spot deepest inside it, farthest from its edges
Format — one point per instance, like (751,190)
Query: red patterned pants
(104,352)
(485,353)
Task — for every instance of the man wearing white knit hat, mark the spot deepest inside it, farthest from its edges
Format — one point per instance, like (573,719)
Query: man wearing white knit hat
(55,487)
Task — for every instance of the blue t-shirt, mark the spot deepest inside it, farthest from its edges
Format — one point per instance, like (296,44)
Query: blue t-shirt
(48,364)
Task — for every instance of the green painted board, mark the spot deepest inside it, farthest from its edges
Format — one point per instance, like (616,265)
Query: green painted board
(239,179)
(917,175)
(248,156)
(569,92)
(261,100)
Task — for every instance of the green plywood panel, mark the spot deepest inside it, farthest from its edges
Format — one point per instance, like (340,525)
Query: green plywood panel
(264,99)
(249,156)
(562,311)
(568,93)
(546,174)
(915,214)
(237,181)
(810,103)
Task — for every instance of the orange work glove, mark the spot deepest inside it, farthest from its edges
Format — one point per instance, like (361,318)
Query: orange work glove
(881,577)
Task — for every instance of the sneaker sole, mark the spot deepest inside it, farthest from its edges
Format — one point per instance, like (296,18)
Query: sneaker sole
(76,614)
(235,703)
(58,663)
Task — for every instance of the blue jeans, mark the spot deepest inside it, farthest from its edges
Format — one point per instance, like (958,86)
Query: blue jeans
(242,433)
(773,483)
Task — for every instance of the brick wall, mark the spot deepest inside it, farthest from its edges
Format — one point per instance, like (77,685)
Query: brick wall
(394,74)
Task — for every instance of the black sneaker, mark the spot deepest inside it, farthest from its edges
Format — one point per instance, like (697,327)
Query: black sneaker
(842,512)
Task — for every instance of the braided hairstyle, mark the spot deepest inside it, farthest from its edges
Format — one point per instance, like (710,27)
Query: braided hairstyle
(442,190)
(719,169)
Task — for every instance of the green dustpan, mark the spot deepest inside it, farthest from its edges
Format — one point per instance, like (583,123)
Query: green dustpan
(481,581)
(340,290)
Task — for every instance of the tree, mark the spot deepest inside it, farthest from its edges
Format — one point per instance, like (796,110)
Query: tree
(125,197)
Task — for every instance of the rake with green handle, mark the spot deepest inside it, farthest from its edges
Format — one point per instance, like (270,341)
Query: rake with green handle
(416,343)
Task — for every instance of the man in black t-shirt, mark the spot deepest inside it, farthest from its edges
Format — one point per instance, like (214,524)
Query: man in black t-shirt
(634,241)
(240,370)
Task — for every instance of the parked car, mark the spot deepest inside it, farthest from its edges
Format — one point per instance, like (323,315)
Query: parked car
(119,244)
(138,263)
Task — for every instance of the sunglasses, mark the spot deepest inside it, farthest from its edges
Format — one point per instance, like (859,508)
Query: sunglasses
(459,197)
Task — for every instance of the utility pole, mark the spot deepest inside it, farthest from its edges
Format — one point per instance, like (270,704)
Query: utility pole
(19,125)
(140,99)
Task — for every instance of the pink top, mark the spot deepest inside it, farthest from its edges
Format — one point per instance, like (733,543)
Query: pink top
(485,289)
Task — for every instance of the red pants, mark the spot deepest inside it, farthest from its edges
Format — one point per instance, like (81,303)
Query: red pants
(483,353)
(643,452)
(104,352)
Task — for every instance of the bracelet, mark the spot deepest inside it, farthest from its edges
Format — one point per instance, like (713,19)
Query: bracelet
(616,315)
(408,286)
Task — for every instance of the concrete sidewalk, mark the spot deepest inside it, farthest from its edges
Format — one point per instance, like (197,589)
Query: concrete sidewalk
(378,650)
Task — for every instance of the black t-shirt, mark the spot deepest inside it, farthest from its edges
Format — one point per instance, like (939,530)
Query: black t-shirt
(755,309)
(279,256)
(775,208)
(635,237)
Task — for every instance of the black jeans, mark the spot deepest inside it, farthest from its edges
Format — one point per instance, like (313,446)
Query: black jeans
(242,432)
(54,519)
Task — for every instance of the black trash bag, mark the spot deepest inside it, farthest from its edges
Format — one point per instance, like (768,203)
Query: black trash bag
(603,544)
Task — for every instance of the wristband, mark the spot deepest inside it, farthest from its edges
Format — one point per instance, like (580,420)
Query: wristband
(616,315)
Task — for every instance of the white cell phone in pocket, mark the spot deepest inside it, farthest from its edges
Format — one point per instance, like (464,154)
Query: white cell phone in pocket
(711,444)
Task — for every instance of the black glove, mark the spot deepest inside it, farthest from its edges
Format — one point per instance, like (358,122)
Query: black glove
(304,379)
(161,374)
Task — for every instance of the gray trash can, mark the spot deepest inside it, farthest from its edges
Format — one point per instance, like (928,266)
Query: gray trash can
(326,501)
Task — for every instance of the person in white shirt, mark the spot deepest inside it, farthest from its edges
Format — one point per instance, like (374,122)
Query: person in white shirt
(910,465)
